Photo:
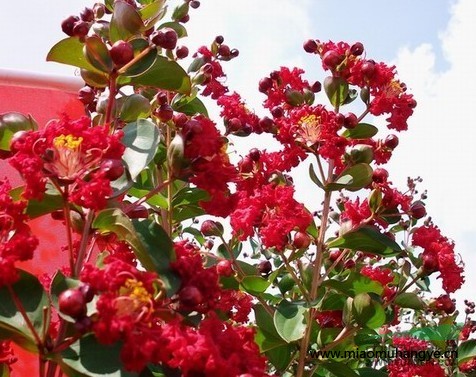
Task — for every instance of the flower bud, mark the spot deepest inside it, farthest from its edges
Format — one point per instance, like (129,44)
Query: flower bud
(121,53)
(73,303)
(224,268)
(112,168)
(211,228)
(166,38)
(310,46)
(190,296)
(265,267)
(391,141)
(301,240)
(418,210)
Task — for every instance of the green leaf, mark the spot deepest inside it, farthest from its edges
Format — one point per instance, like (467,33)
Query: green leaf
(409,300)
(152,10)
(192,107)
(339,369)
(33,298)
(70,51)
(87,357)
(160,249)
(141,139)
(289,321)
(113,220)
(355,284)
(370,372)
(187,212)
(336,89)
(466,351)
(12,122)
(189,195)
(178,27)
(314,178)
(163,74)
(438,335)
(97,54)
(4,370)
(134,106)
(361,131)
(265,322)
(37,208)
(280,356)
(254,284)
(367,239)
(145,62)
(353,178)
(95,78)
(368,312)
(125,22)
(157,200)
(180,11)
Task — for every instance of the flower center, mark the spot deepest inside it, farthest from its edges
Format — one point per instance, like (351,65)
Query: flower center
(134,299)
(309,130)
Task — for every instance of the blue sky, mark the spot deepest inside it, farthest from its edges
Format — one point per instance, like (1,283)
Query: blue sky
(430,41)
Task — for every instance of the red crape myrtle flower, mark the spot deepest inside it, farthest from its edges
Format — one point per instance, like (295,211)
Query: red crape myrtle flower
(69,153)
(215,349)
(16,240)
(273,210)
(200,290)
(6,354)
(437,246)
(406,366)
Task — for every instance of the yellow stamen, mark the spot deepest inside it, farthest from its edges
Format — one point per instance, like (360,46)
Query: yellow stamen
(135,290)
(309,131)
(67,141)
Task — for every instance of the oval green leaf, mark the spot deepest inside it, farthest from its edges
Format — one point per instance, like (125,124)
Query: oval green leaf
(353,178)
(141,139)
(361,131)
(97,54)
(125,22)
(163,74)
(70,51)
(289,321)
(367,239)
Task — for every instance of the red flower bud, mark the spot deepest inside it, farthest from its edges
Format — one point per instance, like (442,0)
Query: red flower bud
(121,53)
(224,268)
(301,240)
(72,302)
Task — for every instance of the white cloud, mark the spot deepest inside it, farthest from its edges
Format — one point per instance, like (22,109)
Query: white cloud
(440,143)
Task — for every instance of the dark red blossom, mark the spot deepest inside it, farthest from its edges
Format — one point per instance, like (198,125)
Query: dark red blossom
(273,211)
(69,153)
(285,80)
(434,243)
(17,243)
(215,349)
(329,318)
(7,358)
(210,166)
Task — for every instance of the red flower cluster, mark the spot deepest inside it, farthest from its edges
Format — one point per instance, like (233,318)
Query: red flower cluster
(408,366)
(209,163)
(17,243)
(439,249)
(388,95)
(274,212)
(6,354)
(70,154)
(213,74)
(215,349)
(200,290)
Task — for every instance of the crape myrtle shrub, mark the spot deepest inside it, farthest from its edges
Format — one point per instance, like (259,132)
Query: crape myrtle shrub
(145,291)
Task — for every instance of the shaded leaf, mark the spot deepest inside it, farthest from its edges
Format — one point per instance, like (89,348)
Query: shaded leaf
(89,358)
(113,220)
(97,54)
(336,89)
(255,284)
(160,249)
(125,22)
(409,300)
(367,239)
(33,298)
